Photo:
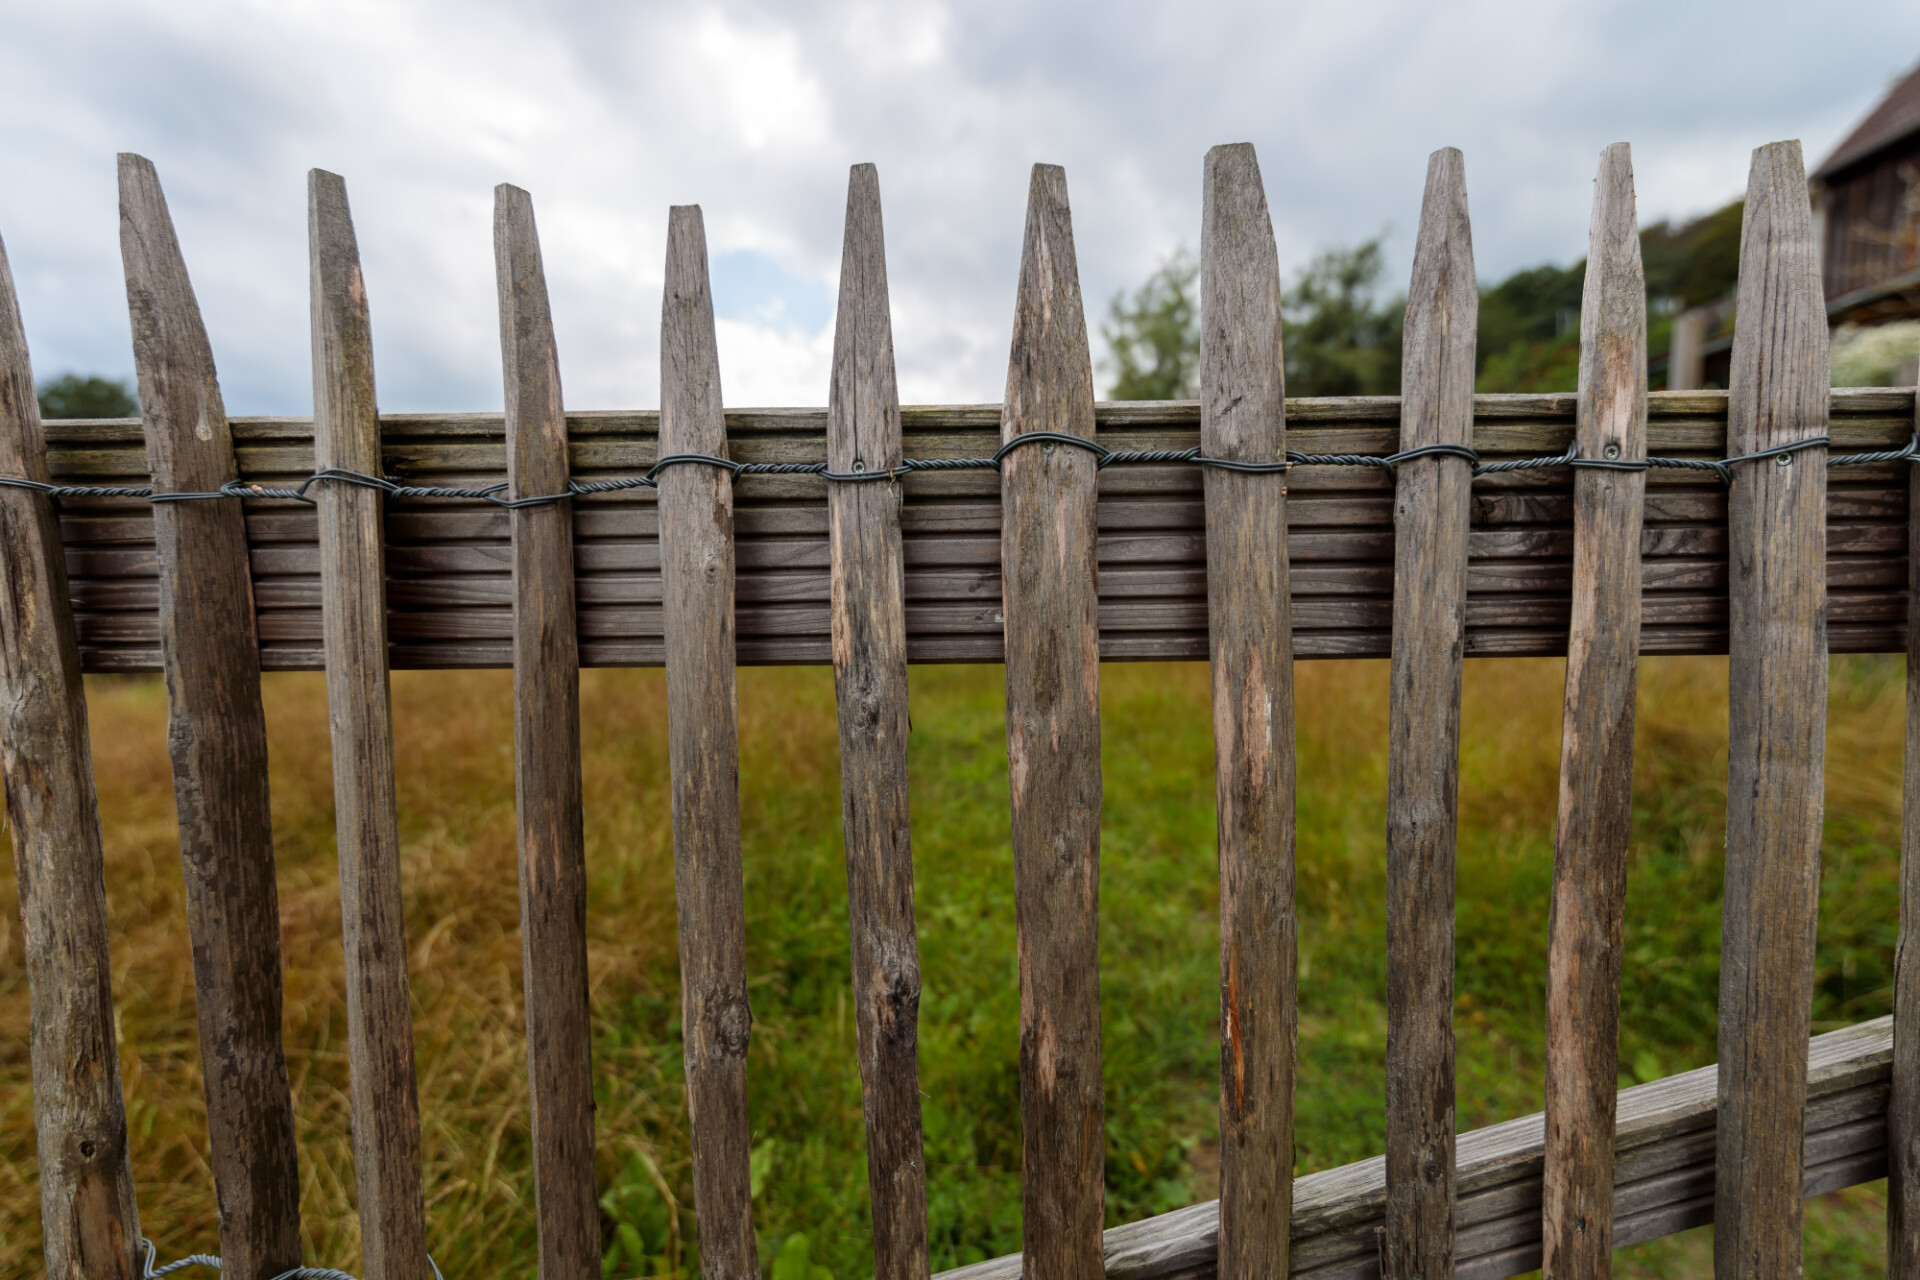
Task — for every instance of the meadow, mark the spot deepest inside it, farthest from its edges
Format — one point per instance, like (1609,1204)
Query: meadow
(1158,929)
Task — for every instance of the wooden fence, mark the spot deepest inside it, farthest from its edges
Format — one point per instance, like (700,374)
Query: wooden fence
(169,544)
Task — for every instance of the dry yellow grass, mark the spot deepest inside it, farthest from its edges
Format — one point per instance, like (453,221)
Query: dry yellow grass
(454,733)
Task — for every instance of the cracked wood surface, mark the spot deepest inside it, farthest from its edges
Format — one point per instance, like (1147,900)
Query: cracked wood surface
(382,1088)
(1051,605)
(1595,817)
(697,579)
(1777,700)
(1243,418)
(88,1219)
(217,736)
(870,691)
(1431,519)
(546,753)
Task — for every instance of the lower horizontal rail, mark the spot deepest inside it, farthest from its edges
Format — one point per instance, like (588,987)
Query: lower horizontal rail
(1663,1178)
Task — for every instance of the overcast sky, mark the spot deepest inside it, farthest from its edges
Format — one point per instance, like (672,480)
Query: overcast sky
(610,112)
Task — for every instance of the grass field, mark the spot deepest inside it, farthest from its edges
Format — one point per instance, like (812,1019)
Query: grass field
(1159,943)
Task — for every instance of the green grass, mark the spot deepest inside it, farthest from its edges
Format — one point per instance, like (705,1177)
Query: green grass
(1158,930)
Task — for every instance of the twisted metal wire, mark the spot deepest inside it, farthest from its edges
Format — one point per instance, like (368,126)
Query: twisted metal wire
(151,1272)
(1104,457)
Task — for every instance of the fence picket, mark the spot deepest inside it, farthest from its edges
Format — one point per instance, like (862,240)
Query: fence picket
(1596,744)
(1048,568)
(87,1212)
(870,687)
(697,561)
(546,697)
(1249,607)
(1777,723)
(1431,510)
(1903,1103)
(216,733)
(353,608)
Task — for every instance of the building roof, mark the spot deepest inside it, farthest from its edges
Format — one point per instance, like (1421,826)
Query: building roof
(1895,119)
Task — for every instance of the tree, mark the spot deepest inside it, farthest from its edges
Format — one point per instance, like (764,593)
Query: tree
(1696,262)
(1154,336)
(72,395)
(1338,337)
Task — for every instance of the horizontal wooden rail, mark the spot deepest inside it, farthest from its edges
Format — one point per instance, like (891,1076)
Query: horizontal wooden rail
(449,565)
(1663,1178)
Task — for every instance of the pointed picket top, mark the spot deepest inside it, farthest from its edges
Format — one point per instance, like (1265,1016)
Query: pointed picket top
(870,687)
(1250,623)
(1049,570)
(216,735)
(1591,836)
(703,748)
(1432,505)
(90,1224)
(1778,394)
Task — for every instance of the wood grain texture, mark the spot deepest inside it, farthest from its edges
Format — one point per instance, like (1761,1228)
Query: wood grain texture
(1595,817)
(1431,517)
(88,1219)
(1777,703)
(870,688)
(1663,1169)
(346,434)
(546,752)
(697,565)
(450,564)
(216,733)
(1051,605)
(1903,1107)
(1250,652)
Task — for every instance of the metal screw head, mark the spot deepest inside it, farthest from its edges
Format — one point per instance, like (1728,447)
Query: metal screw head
(859,466)
(1783,460)
(1612,451)
(1047,446)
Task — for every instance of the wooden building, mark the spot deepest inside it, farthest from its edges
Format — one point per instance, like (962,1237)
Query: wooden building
(1868,196)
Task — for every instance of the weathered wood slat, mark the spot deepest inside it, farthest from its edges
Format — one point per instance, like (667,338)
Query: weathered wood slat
(385,1101)
(870,688)
(88,1219)
(1431,520)
(1243,419)
(1053,746)
(1903,1109)
(1663,1178)
(696,546)
(217,736)
(546,751)
(1596,743)
(1152,542)
(1777,703)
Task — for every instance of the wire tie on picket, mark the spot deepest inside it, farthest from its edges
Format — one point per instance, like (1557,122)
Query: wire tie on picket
(861,474)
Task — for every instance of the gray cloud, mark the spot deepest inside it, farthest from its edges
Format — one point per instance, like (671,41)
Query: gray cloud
(610,112)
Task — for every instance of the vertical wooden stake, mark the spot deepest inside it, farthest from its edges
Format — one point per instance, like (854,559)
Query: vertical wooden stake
(1431,510)
(87,1215)
(1903,1104)
(1250,629)
(353,609)
(1776,752)
(217,735)
(1596,742)
(870,686)
(1048,558)
(696,563)
(546,749)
